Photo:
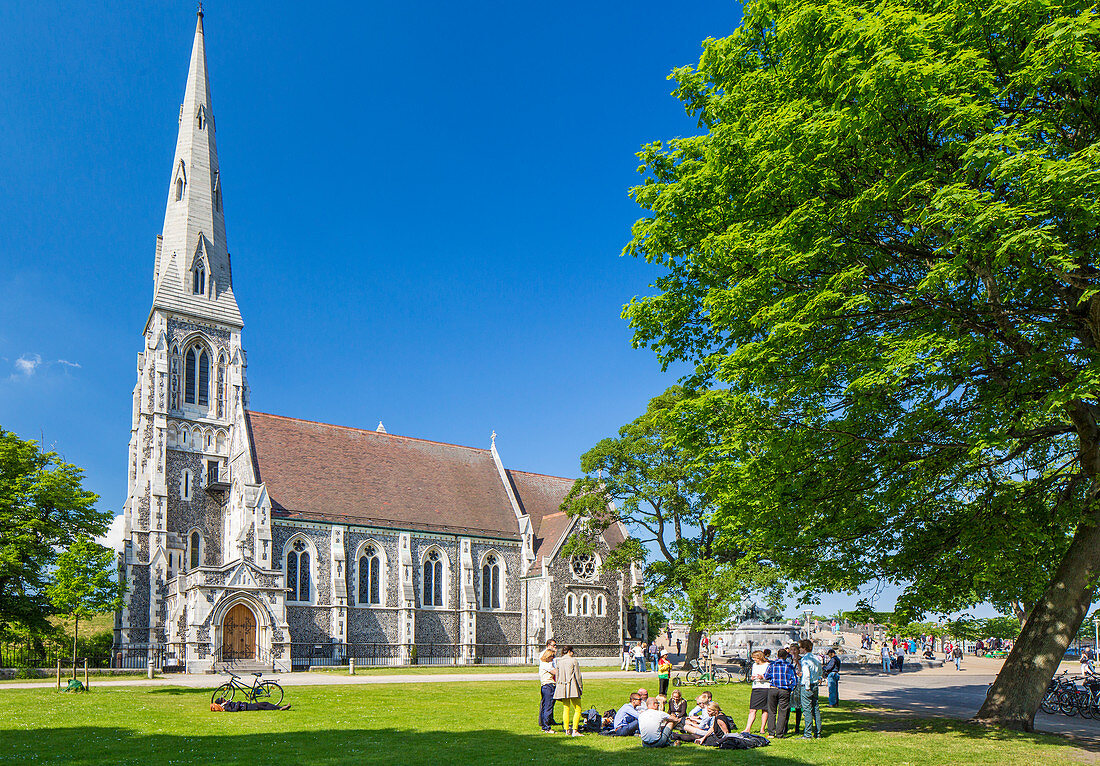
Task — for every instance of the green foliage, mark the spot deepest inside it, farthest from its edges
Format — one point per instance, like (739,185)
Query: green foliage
(880,257)
(82,584)
(1000,627)
(42,508)
(646,479)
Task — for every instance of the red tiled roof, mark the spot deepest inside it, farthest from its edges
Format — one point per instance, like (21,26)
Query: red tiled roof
(540,496)
(348,475)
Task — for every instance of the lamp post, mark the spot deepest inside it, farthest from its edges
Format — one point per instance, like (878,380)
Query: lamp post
(808,612)
(1096,634)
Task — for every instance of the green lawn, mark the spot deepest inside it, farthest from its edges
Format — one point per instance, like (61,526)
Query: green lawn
(453,723)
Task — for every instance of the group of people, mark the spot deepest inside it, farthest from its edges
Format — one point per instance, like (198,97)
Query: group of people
(788,682)
(660,721)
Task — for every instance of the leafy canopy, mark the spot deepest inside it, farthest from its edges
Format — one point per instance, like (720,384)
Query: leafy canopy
(881,252)
(645,479)
(43,508)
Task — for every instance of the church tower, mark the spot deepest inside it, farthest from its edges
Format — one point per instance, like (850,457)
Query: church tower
(190,507)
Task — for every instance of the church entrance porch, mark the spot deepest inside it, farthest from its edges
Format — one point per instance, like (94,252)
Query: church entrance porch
(239,634)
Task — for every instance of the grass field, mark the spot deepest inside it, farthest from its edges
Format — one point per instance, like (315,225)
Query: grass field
(453,723)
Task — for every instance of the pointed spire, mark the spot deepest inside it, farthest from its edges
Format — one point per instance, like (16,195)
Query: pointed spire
(381,428)
(193,236)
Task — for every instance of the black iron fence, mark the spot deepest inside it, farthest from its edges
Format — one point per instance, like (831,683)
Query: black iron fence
(165,657)
(305,655)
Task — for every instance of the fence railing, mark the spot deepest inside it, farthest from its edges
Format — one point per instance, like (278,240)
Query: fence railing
(305,655)
(165,657)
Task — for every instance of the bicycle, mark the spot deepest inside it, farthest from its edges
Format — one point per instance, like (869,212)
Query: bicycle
(260,691)
(702,675)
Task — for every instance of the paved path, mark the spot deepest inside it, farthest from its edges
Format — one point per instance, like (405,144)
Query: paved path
(948,692)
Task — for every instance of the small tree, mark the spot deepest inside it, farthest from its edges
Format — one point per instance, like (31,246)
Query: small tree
(645,480)
(82,584)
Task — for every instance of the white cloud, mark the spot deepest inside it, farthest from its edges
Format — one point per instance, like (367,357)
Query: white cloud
(113,538)
(27,364)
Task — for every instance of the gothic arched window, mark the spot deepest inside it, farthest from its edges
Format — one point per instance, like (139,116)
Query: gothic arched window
(570,604)
(198,283)
(490,583)
(179,188)
(196,549)
(370,576)
(584,606)
(298,580)
(433,579)
(599,606)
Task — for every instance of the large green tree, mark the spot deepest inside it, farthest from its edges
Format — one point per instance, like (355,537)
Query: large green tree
(882,244)
(645,479)
(43,508)
(82,584)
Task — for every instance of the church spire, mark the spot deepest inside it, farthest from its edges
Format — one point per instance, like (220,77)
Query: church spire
(192,270)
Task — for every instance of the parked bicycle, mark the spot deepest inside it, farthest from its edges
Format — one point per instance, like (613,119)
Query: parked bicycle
(704,674)
(260,691)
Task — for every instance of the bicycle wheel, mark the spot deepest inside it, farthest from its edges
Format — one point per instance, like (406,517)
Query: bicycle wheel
(1067,704)
(269,691)
(225,691)
(1049,704)
(721,676)
(1084,704)
(693,677)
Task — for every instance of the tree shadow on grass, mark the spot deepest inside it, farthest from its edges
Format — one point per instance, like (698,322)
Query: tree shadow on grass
(88,746)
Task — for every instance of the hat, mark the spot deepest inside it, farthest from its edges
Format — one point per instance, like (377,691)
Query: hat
(664,652)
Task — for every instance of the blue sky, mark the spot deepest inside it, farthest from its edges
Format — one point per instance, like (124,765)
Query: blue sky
(425,204)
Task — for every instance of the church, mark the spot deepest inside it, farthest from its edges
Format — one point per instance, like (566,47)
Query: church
(280,543)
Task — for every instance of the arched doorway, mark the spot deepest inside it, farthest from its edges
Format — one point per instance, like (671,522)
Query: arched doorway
(239,634)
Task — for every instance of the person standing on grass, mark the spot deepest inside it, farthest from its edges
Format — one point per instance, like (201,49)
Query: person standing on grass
(758,698)
(664,669)
(795,652)
(548,680)
(781,676)
(831,670)
(811,678)
(639,657)
(569,687)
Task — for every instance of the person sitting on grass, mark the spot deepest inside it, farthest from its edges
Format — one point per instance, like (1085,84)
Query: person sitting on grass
(720,725)
(644,695)
(655,725)
(699,721)
(222,705)
(677,705)
(625,723)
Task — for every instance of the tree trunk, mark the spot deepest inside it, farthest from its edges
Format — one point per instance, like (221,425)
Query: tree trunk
(1050,626)
(76,629)
(1020,611)
(691,651)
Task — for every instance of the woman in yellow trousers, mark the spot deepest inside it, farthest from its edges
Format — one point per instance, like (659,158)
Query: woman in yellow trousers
(568,689)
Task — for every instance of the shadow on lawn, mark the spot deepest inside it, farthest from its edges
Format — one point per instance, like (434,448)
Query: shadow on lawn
(97,745)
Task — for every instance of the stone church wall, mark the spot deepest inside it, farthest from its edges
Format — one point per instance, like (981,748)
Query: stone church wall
(576,628)
(391,577)
(200,511)
(308,624)
(371,625)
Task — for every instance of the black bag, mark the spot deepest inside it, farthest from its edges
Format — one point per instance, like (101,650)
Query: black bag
(591,720)
(742,741)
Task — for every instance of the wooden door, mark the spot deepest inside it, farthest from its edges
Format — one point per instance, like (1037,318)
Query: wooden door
(239,634)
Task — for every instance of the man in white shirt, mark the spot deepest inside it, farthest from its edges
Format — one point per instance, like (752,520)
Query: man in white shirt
(655,725)
(811,678)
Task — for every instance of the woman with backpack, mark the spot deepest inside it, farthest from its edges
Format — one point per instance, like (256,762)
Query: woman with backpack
(568,689)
